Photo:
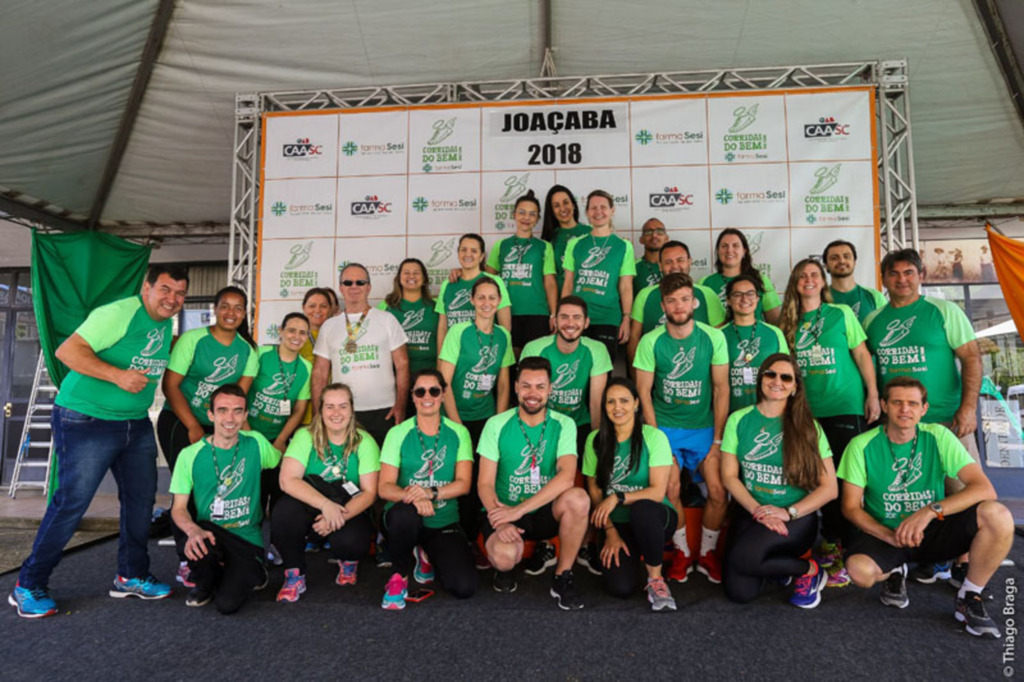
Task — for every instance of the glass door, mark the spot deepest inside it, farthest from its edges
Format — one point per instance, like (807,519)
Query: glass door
(19,352)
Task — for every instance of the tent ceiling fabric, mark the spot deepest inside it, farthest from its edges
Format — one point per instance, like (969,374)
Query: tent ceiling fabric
(69,66)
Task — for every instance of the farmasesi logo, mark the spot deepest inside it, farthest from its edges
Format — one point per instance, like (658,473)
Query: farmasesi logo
(421,204)
(302,148)
(727,196)
(281,209)
(670,198)
(826,128)
(352,148)
(372,206)
(647,137)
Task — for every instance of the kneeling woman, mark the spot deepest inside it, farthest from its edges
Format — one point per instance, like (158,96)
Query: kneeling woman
(777,465)
(329,481)
(627,465)
(426,463)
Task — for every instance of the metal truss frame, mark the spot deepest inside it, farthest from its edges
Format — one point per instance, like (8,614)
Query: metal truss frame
(897,193)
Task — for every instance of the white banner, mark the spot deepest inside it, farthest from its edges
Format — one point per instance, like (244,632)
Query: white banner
(792,170)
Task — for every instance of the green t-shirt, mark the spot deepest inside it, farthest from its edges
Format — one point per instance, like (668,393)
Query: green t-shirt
(429,462)
(206,364)
(419,320)
(523,263)
(756,440)
(195,473)
(896,481)
(861,300)
(454,301)
(824,341)
(682,374)
(918,340)
(656,453)
(648,312)
(597,264)
(570,374)
(502,441)
(277,386)
(647,274)
(478,359)
(562,239)
(748,348)
(336,465)
(121,334)
(717,282)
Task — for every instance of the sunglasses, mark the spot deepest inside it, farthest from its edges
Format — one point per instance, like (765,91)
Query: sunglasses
(420,391)
(786,378)
(354,282)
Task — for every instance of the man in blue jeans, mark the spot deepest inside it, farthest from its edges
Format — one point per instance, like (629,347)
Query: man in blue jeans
(100,422)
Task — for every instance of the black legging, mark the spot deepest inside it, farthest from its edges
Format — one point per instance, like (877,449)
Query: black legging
(469,504)
(754,553)
(173,438)
(608,334)
(229,570)
(650,526)
(446,548)
(839,431)
(292,520)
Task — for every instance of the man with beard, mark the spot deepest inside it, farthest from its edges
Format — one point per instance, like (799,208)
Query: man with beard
(840,259)
(527,470)
(653,236)
(682,375)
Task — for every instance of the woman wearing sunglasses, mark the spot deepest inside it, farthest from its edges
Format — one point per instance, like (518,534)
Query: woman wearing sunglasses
(777,465)
(329,481)
(749,339)
(831,349)
(425,465)
(627,465)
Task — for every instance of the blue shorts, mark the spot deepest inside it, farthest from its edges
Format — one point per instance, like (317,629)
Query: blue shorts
(690,447)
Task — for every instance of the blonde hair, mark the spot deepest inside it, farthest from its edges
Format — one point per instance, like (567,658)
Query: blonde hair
(318,430)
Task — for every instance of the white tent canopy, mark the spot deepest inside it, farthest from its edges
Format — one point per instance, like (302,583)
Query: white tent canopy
(67,109)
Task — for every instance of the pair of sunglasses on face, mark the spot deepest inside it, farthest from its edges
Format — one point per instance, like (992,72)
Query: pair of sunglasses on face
(421,392)
(772,374)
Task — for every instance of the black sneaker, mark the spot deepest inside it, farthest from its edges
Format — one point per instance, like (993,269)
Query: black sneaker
(589,558)
(894,590)
(929,573)
(382,556)
(563,589)
(542,559)
(264,578)
(505,581)
(971,612)
(197,597)
(958,574)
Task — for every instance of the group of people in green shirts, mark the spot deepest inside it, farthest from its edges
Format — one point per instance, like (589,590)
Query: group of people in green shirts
(729,389)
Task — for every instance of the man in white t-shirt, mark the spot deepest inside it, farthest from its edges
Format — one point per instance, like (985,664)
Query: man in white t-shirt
(364,348)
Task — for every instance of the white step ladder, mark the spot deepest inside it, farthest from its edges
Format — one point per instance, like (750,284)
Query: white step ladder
(37,434)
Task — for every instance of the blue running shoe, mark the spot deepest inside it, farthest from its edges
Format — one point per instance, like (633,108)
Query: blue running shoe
(143,588)
(32,603)
(807,593)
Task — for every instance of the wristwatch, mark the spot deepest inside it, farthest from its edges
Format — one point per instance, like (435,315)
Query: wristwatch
(433,493)
(937,508)
(793,513)
(621,495)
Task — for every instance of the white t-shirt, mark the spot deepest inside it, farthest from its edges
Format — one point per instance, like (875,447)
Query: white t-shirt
(369,371)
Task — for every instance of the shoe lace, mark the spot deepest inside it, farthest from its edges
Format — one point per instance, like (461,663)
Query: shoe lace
(348,568)
(36,592)
(395,584)
(976,605)
(293,579)
(804,582)
(659,588)
(566,582)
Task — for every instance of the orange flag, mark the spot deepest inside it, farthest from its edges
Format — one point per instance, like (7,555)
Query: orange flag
(1008,257)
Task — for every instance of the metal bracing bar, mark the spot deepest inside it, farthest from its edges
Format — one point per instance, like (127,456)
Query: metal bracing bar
(150,51)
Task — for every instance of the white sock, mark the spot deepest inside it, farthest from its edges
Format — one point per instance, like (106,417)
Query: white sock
(708,540)
(679,540)
(968,586)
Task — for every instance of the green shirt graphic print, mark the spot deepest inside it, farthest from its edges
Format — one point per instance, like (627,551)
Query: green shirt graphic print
(206,364)
(276,388)
(748,348)
(570,374)
(824,341)
(419,320)
(597,264)
(656,453)
(861,300)
(478,359)
(523,264)
(454,301)
(336,465)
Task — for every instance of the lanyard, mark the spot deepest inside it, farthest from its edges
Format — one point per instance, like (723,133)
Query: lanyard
(222,480)
(332,463)
(480,338)
(529,443)
(748,356)
(913,448)
(812,325)
(289,379)
(423,446)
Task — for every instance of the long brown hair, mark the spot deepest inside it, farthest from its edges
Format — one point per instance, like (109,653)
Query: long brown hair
(318,430)
(793,305)
(801,458)
(394,299)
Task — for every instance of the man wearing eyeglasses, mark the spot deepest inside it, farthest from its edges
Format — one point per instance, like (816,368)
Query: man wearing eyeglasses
(653,236)
(365,348)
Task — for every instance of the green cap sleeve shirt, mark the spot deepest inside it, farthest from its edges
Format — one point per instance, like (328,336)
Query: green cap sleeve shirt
(478,359)
(206,364)
(656,453)
(336,465)
(276,388)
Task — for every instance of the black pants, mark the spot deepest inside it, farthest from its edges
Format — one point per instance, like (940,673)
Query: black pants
(292,520)
(650,526)
(173,438)
(230,570)
(754,553)
(469,504)
(608,334)
(839,431)
(375,423)
(446,547)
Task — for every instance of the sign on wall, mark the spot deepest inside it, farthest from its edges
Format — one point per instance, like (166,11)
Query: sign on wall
(792,170)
